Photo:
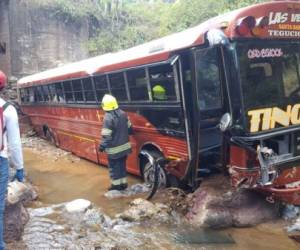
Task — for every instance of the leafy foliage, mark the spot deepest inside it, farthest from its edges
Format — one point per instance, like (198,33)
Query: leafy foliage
(119,24)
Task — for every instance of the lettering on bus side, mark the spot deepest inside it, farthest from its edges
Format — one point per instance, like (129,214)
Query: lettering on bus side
(283,17)
(269,118)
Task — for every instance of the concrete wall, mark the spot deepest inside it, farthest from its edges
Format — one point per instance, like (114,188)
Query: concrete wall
(38,40)
(5,63)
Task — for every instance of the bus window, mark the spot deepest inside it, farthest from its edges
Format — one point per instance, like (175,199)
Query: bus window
(31,94)
(101,86)
(137,83)
(46,93)
(208,79)
(52,92)
(39,94)
(88,89)
(290,74)
(270,80)
(68,91)
(59,93)
(23,93)
(77,88)
(162,78)
(117,85)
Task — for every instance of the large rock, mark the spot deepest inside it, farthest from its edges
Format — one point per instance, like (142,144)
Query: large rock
(215,205)
(15,215)
(141,210)
(78,206)
(15,218)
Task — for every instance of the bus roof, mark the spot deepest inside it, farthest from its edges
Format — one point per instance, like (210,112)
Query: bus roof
(161,49)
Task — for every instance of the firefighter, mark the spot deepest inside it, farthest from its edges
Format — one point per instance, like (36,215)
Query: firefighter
(11,142)
(159,93)
(115,141)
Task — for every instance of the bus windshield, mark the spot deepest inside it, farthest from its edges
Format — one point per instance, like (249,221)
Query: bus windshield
(269,74)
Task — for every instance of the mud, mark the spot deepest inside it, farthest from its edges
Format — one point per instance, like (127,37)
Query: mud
(63,177)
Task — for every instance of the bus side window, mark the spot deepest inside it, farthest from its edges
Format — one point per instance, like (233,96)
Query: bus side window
(23,95)
(77,88)
(46,93)
(101,86)
(117,85)
(31,94)
(88,89)
(68,91)
(39,94)
(52,92)
(137,83)
(163,77)
(59,93)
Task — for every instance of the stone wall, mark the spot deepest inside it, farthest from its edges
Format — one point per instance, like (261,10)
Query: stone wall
(5,63)
(38,40)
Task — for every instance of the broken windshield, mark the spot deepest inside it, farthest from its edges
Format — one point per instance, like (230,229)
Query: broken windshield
(269,74)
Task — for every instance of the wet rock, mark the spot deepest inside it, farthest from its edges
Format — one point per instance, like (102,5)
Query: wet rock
(29,133)
(290,212)
(15,218)
(141,209)
(78,206)
(94,219)
(20,192)
(15,215)
(130,191)
(216,207)
(294,227)
(55,228)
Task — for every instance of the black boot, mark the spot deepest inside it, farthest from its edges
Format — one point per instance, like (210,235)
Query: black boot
(115,187)
(123,186)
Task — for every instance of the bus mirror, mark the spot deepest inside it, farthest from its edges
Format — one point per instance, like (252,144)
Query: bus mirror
(216,37)
(225,122)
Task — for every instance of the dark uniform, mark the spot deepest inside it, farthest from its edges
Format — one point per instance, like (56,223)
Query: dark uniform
(115,142)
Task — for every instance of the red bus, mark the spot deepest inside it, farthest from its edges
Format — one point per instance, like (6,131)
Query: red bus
(232,101)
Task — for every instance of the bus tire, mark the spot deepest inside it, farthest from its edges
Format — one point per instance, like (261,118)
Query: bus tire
(50,137)
(147,169)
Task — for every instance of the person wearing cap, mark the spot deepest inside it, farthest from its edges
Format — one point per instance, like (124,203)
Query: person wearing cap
(159,93)
(115,141)
(12,143)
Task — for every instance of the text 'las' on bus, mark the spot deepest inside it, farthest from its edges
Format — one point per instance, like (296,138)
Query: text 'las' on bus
(232,101)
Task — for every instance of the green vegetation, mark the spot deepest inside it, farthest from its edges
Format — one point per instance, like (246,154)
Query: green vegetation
(119,24)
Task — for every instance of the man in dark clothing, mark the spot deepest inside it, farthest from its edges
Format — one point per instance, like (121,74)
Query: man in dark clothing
(115,141)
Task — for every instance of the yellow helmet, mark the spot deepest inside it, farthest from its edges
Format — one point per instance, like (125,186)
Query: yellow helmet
(109,103)
(159,92)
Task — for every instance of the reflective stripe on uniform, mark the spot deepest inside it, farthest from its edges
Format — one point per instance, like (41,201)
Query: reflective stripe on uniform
(123,180)
(118,149)
(116,182)
(106,131)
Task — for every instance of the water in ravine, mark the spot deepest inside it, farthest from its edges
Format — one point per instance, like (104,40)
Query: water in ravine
(65,178)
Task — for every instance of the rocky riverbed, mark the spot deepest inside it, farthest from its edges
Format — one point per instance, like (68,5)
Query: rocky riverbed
(173,220)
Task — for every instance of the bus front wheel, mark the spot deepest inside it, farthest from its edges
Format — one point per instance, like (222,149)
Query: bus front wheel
(148,169)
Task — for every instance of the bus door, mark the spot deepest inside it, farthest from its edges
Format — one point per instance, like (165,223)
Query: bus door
(209,95)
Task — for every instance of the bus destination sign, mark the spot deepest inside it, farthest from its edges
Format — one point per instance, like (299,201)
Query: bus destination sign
(284,24)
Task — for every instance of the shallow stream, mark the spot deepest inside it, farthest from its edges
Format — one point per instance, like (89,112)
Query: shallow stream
(65,178)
